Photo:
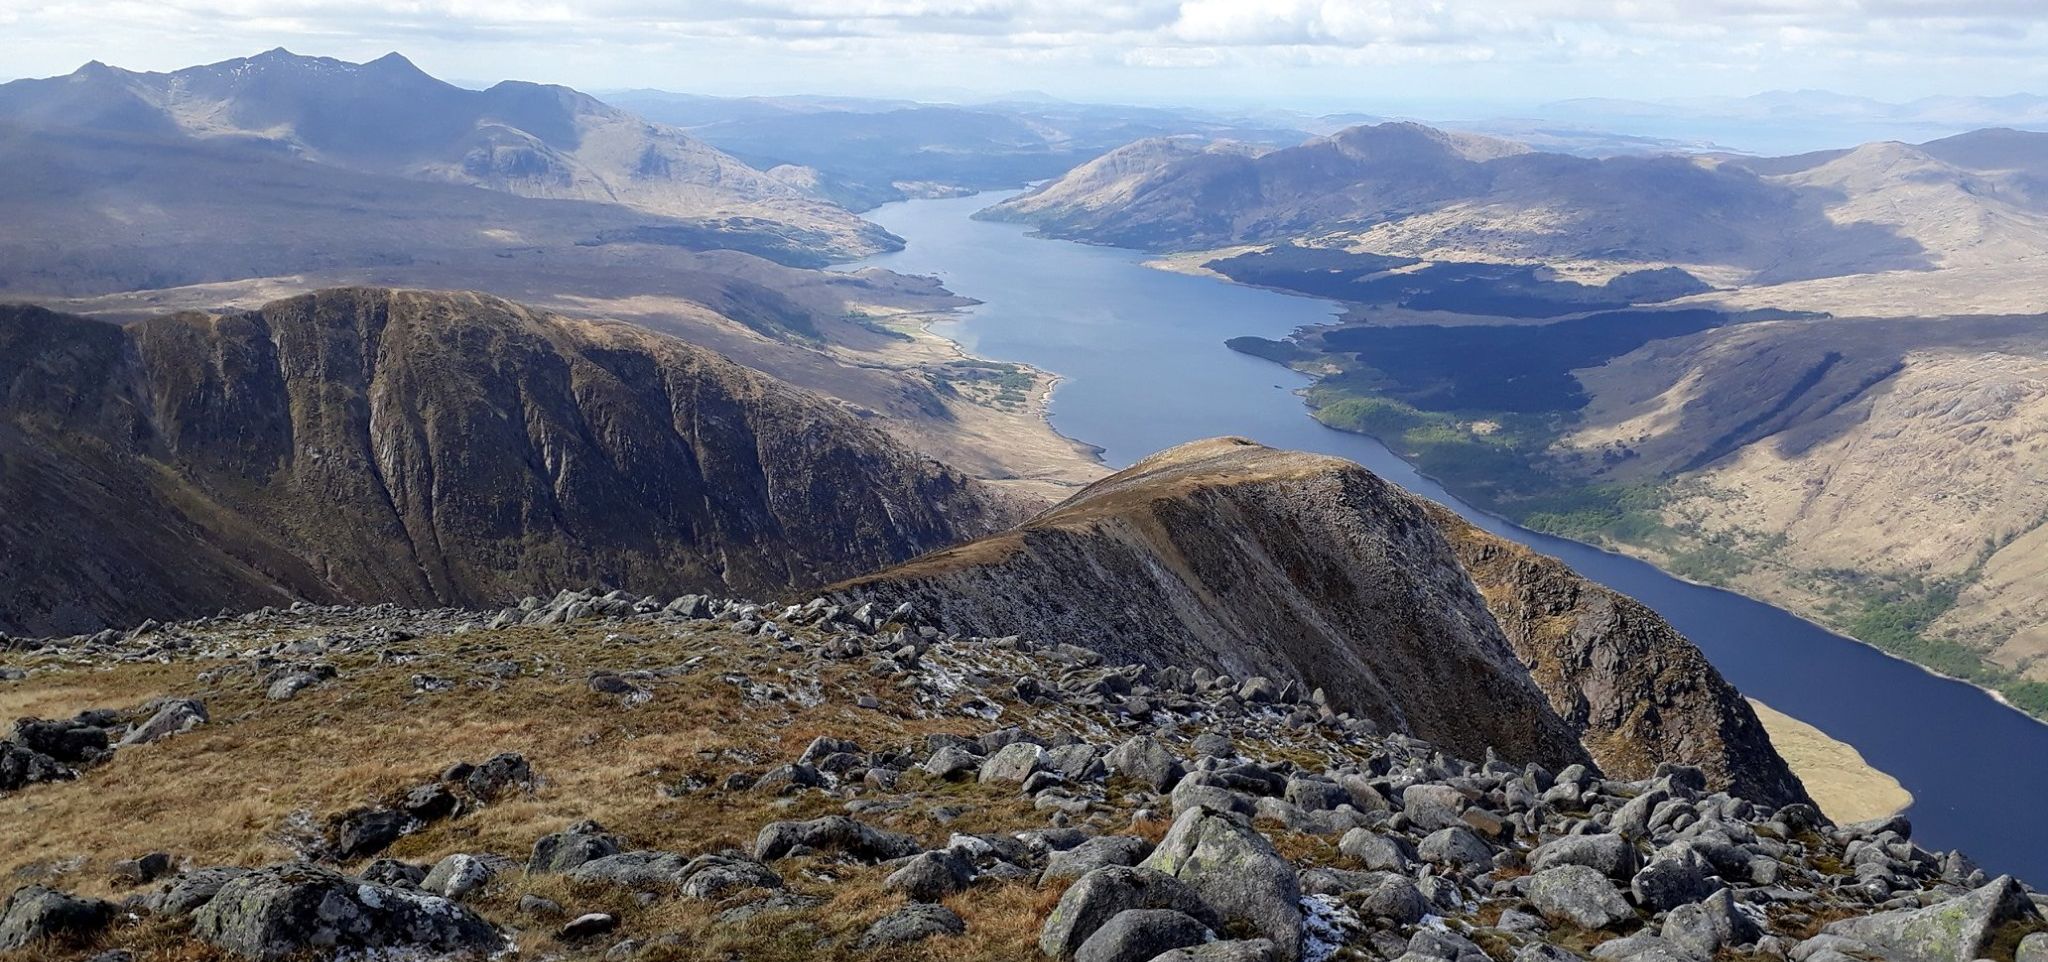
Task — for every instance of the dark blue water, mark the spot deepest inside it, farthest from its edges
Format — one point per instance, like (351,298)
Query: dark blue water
(1145,368)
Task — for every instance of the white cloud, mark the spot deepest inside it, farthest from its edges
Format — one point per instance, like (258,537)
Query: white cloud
(1850,43)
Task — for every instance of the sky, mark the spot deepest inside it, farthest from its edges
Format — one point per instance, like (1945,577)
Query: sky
(1446,55)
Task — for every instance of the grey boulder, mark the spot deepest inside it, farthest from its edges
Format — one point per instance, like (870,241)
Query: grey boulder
(836,833)
(36,914)
(173,716)
(1144,760)
(915,922)
(301,909)
(1707,926)
(1094,854)
(1139,935)
(1107,892)
(1958,930)
(1237,872)
(1611,855)
(1580,896)
(931,876)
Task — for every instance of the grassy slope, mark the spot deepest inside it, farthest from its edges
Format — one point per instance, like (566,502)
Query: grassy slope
(228,792)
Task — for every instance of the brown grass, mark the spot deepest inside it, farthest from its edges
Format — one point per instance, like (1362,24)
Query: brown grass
(221,794)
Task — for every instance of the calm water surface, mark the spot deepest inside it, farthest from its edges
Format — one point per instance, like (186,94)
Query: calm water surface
(1142,355)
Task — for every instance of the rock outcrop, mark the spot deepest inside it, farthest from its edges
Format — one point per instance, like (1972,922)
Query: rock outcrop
(1316,573)
(1276,568)
(1633,688)
(379,445)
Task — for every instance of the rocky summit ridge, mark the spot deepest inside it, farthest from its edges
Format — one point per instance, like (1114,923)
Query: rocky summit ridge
(696,778)
(1317,573)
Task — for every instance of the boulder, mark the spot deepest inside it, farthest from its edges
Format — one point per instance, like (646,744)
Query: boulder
(1144,760)
(1094,854)
(21,767)
(367,831)
(1237,872)
(1376,851)
(562,851)
(34,914)
(931,876)
(915,922)
(2033,948)
(1393,898)
(643,870)
(1579,895)
(71,741)
(1315,794)
(1705,927)
(1611,855)
(500,775)
(1958,930)
(1456,847)
(460,874)
(836,833)
(1230,950)
(714,876)
(173,716)
(1012,764)
(1139,935)
(184,894)
(301,909)
(1674,880)
(1106,892)
(952,763)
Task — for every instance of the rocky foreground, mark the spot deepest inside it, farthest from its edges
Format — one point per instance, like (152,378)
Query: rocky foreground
(639,779)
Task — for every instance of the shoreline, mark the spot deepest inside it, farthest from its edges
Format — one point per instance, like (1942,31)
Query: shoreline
(1621,550)
(1824,758)
(1615,549)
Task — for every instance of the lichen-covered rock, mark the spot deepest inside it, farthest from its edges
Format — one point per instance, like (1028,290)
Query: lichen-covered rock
(287,910)
(1228,950)
(833,833)
(1958,930)
(1106,892)
(36,914)
(562,851)
(1612,855)
(1142,759)
(1094,854)
(1237,872)
(173,716)
(912,923)
(461,874)
(1670,881)
(1705,927)
(931,876)
(1139,935)
(1579,895)
(184,894)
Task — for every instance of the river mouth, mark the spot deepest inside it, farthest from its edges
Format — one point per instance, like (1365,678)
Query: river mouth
(1144,366)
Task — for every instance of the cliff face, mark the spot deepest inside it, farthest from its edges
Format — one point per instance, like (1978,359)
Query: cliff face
(425,448)
(1253,561)
(1635,690)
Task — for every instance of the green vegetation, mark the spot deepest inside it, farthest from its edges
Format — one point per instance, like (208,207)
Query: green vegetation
(868,323)
(1496,459)
(1005,385)
(1499,460)
(1895,613)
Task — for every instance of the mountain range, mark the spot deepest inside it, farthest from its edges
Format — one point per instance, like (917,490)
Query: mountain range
(1778,373)
(388,117)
